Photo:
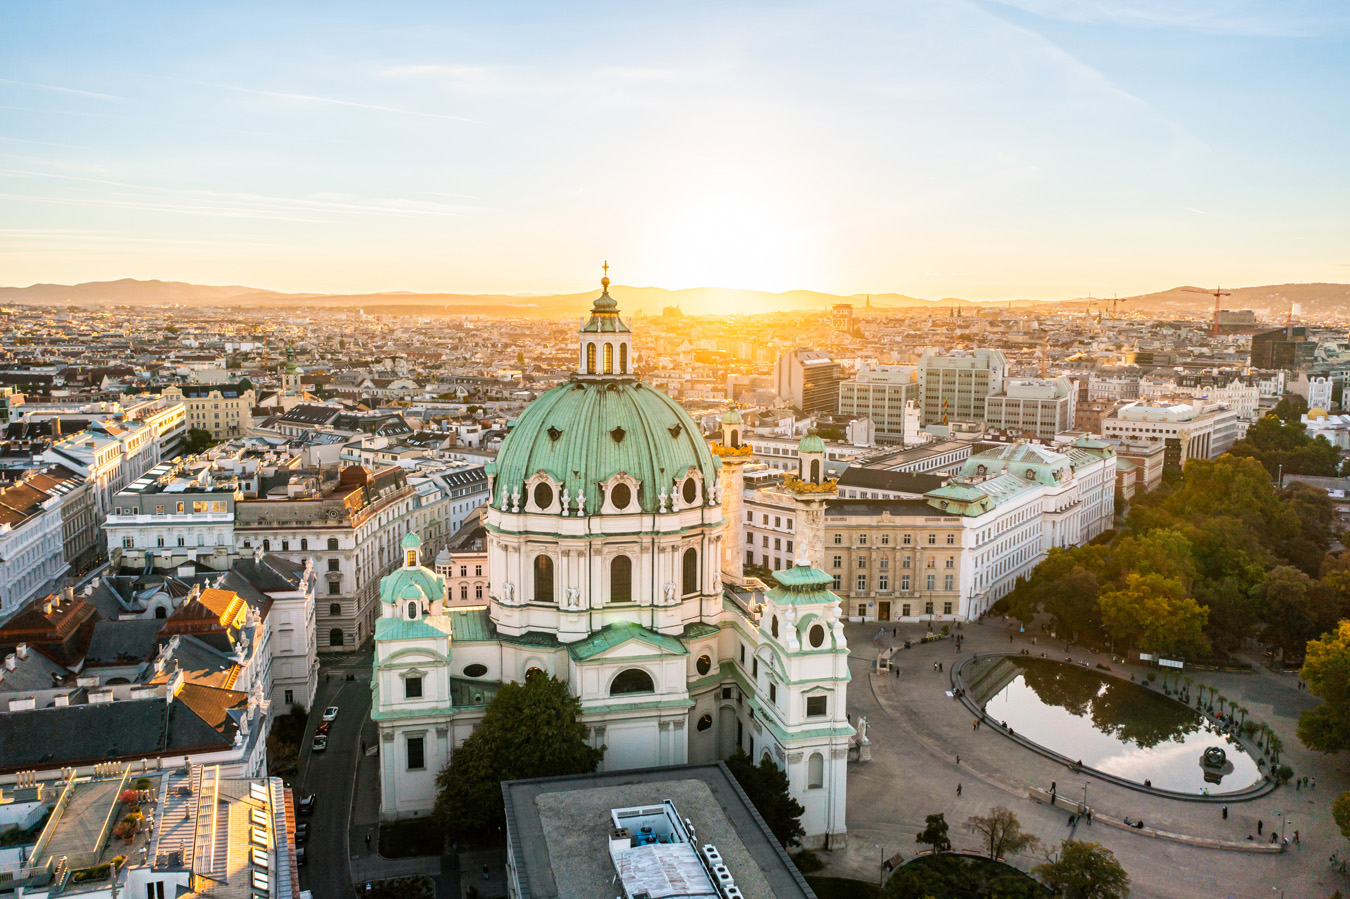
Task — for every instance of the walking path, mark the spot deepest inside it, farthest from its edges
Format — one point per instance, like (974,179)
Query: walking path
(917,732)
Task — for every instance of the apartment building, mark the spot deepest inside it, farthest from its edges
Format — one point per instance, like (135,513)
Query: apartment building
(172,516)
(1243,397)
(954,387)
(881,393)
(31,541)
(226,410)
(1042,407)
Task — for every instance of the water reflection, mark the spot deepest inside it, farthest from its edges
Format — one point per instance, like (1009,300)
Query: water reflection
(1112,725)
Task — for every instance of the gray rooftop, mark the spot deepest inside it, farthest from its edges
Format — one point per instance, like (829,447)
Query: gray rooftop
(559,829)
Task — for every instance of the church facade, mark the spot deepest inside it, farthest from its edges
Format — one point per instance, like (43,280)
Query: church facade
(613,532)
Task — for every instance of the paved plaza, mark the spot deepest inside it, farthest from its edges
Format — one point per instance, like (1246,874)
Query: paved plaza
(917,731)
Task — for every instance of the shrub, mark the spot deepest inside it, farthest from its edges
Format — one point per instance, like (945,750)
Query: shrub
(130,797)
(808,862)
(1283,774)
(143,783)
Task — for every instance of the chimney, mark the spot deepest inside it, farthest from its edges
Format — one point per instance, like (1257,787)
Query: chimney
(10,664)
(22,650)
(173,686)
(68,594)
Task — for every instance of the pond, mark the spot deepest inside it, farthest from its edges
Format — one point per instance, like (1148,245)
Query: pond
(1112,725)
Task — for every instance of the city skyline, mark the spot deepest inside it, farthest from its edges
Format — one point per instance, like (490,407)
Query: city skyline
(985,150)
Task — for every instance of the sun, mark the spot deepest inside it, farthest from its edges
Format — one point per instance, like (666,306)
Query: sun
(729,238)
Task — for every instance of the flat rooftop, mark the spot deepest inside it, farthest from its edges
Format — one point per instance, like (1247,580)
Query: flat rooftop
(559,830)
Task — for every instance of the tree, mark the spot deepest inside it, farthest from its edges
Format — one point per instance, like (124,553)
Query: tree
(1295,608)
(767,787)
(1326,668)
(198,440)
(1291,407)
(1001,830)
(934,833)
(1153,612)
(1085,871)
(530,729)
(1340,811)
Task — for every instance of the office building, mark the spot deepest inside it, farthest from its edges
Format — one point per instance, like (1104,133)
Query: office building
(954,387)
(809,381)
(882,393)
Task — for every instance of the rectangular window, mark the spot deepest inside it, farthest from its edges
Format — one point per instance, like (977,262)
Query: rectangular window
(862,563)
(816,706)
(478,571)
(904,582)
(947,581)
(128,542)
(904,610)
(749,556)
(754,667)
(778,544)
(159,541)
(951,539)
(946,608)
(412,688)
(862,539)
(766,542)
(750,538)
(332,564)
(885,539)
(773,692)
(290,696)
(838,582)
(951,562)
(862,583)
(906,540)
(932,582)
(838,562)
(928,608)
(838,539)
(416,753)
(932,539)
(884,564)
(789,546)
(884,582)
(777,521)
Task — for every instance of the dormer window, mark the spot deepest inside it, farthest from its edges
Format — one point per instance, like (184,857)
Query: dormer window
(414,608)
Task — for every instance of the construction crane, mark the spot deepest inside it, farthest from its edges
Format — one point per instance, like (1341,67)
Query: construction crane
(1216,293)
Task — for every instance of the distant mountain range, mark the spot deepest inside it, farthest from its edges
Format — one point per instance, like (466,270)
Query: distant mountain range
(1269,301)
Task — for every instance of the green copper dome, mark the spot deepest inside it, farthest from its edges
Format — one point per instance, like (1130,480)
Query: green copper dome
(584,432)
(811,443)
(412,583)
(731,417)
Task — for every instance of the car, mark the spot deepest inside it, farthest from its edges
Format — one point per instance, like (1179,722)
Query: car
(302,831)
(320,744)
(330,713)
(306,804)
(323,728)
(300,858)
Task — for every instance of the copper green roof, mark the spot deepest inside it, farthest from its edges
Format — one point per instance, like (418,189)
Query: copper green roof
(584,432)
(412,583)
(696,629)
(617,634)
(411,541)
(472,625)
(731,417)
(811,443)
(802,585)
(418,629)
(604,316)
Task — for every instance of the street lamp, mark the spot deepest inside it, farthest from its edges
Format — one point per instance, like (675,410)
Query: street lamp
(881,866)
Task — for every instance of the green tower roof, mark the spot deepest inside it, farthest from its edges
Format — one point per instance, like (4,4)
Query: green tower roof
(802,585)
(811,443)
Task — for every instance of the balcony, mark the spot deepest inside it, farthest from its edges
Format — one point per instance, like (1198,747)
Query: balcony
(181,518)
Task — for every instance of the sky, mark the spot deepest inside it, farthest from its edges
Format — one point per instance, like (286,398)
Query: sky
(988,149)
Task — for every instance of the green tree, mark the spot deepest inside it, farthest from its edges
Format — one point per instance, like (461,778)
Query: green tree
(530,729)
(934,833)
(1001,832)
(198,440)
(1340,811)
(1153,612)
(1291,407)
(1085,871)
(767,787)
(1295,608)
(1326,669)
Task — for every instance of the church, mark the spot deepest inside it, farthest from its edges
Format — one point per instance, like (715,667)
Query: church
(614,534)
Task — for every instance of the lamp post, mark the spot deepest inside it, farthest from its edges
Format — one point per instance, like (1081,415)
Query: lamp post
(881,866)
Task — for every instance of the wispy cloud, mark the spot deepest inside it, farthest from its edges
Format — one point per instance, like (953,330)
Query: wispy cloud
(335,101)
(1301,18)
(56,88)
(1196,211)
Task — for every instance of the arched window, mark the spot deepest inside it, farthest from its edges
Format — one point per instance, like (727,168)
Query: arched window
(773,628)
(609,358)
(161,612)
(690,571)
(736,438)
(304,544)
(621,579)
(543,579)
(590,358)
(632,680)
(815,771)
(623,358)
(815,471)
(335,637)
(332,543)
(267,545)
(543,495)
(532,673)
(412,610)
(689,490)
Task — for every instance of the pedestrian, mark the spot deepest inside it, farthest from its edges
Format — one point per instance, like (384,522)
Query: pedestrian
(1225,813)
(894,631)
(975,724)
(1089,817)
(958,760)
(1010,639)
(939,667)
(1296,838)
(1313,784)
(935,666)
(958,789)
(367,841)
(1259,824)
(485,872)
(1298,785)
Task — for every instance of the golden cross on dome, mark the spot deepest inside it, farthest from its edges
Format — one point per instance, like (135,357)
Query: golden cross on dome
(604,282)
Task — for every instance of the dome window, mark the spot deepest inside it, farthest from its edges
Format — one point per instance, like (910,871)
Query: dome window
(705,722)
(554,434)
(774,627)
(690,490)
(618,434)
(620,495)
(817,635)
(475,670)
(690,571)
(543,496)
(632,680)
(412,610)
(543,579)
(703,665)
(621,579)
(676,430)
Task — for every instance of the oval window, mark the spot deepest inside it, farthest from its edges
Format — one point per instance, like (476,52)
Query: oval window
(817,635)
(543,496)
(704,664)
(690,490)
(620,496)
(705,722)
(477,670)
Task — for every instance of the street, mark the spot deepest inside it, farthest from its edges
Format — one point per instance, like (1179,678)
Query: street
(330,775)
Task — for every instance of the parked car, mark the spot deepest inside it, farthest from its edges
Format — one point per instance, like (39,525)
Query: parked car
(306,804)
(302,831)
(320,744)
(330,713)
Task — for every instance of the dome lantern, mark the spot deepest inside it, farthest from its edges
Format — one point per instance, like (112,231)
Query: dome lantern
(606,346)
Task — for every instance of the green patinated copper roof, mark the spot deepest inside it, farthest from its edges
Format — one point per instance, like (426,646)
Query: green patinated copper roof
(472,626)
(731,417)
(696,629)
(604,316)
(412,541)
(584,432)
(802,585)
(412,583)
(614,635)
(418,629)
(811,443)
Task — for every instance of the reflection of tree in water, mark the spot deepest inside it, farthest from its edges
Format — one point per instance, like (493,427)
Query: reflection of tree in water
(1125,710)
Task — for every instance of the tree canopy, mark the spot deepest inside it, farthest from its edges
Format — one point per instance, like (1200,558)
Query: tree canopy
(934,833)
(1326,669)
(1001,832)
(198,440)
(1085,871)
(530,729)
(767,787)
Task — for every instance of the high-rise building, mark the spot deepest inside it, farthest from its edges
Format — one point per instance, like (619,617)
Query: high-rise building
(809,380)
(955,386)
(1288,348)
(1040,406)
(881,392)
